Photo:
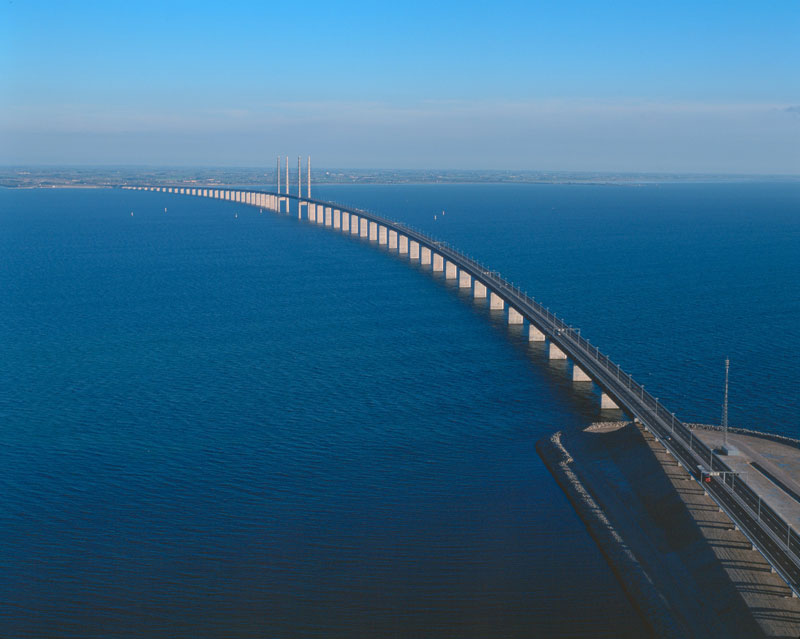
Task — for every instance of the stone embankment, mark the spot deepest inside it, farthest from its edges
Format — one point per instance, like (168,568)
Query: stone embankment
(681,561)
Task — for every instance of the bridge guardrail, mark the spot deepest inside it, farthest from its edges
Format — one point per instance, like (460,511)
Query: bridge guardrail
(630,394)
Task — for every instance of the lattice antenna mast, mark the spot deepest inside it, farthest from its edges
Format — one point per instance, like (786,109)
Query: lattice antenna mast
(725,406)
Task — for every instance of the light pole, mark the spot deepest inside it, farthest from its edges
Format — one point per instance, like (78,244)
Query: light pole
(725,408)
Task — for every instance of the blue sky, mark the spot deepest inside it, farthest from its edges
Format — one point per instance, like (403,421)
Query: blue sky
(680,86)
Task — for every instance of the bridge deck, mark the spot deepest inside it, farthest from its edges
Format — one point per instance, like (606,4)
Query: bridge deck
(775,537)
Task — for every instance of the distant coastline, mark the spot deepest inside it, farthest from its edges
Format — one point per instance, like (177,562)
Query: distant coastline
(105,177)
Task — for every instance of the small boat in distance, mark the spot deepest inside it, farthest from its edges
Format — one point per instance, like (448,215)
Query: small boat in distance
(236,216)
(131,213)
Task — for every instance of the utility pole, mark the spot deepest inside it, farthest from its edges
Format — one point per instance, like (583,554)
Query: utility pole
(725,408)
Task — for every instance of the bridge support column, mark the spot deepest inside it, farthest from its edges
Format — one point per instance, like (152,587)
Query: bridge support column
(364,228)
(328,216)
(373,231)
(383,234)
(392,240)
(337,219)
(312,212)
(496,303)
(464,279)
(554,352)
(578,374)
(438,263)
(320,214)
(607,402)
(534,334)
(345,222)
(479,291)
(450,270)
(354,224)
(425,256)
(402,244)
(413,250)
(514,316)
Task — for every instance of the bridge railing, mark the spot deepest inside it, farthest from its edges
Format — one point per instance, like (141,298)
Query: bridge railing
(647,408)
(655,415)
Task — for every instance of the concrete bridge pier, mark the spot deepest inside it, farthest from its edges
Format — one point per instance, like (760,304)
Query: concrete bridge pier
(355,222)
(554,352)
(479,291)
(373,231)
(413,250)
(425,256)
(464,280)
(345,222)
(607,403)
(337,219)
(514,316)
(383,235)
(320,214)
(364,228)
(312,212)
(450,270)
(438,263)
(402,245)
(328,216)
(496,303)
(579,375)
(392,240)
(534,334)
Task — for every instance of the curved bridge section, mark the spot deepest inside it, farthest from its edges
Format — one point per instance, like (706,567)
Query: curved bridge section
(765,528)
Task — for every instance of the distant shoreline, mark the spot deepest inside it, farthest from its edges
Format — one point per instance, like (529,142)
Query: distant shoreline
(109,177)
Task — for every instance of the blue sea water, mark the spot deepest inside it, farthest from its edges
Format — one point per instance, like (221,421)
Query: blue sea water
(219,426)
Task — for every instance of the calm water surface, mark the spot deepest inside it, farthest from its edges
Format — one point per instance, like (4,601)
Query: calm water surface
(218,426)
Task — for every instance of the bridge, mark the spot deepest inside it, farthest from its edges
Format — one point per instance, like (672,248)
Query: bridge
(768,532)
